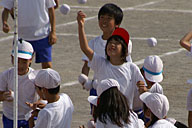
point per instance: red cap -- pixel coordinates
(122, 33)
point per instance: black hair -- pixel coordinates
(123, 44)
(180, 125)
(113, 105)
(54, 90)
(112, 10)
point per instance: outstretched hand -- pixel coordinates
(81, 18)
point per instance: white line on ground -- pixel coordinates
(139, 62)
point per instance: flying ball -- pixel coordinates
(65, 9)
(152, 42)
(82, 1)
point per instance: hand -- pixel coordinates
(31, 105)
(7, 96)
(52, 38)
(142, 87)
(6, 28)
(81, 18)
(82, 126)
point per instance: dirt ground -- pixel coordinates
(166, 20)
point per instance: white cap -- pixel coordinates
(25, 50)
(48, 78)
(92, 100)
(157, 103)
(106, 84)
(153, 68)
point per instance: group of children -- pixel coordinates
(122, 95)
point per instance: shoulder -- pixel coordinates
(163, 123)
(66, 99)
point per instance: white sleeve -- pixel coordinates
(50, 3)
(4, 81)
(43, 120)
(99, 124)
(7, 4)
(96, 62)
(189, 100)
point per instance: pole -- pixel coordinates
(15, 64)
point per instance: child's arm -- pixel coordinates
(5, 15)
(85, 69)
(82, 37)
(52, 34)
(185, 41)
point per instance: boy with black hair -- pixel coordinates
(58, 111)
(110, 17)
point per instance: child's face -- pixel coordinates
(107, 23)
(23, 66)
(114, 49)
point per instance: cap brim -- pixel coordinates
(92, 100)
(154, 78)
(24, 56)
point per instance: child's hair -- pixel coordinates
(112, 10)
(123, 44)
(113, 104)
(54, 90)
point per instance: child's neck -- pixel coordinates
(106, 35)
(53, 98)
(116, 61)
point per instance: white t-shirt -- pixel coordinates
(134, 123)
(26, 92)
(98, 46)
(162, 124)
(189, 100)
(127, 74)
(33, 17)
(57, 114)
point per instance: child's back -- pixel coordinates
(58, 114)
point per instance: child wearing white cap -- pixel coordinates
(114, 65)
(112, 109)
(26, 88)
(152, 72)
(156, 107)
(58, 111)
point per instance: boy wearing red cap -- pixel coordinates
(114, 66)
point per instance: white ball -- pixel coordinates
(65, 9)
(82, 78)
(152, 42)
(82, 1)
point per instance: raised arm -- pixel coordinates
(82, 37)
(185, 41)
